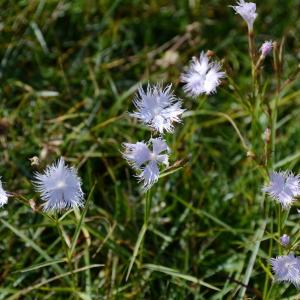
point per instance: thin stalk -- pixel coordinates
(266, 290)
(67, 252)
(138, 248)
(274, 109)
(252, 58)
(277, 69)
(255, 101)
(279, 226)
(147, 208)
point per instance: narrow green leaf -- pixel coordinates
(204, 213)
(287, 160)
(41, 265)
(258, 236)
(136, 249)
(33, 245)
(177, 274)
(44, 282)
(80, 224)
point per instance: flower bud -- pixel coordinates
(284, 240)
(266, 48)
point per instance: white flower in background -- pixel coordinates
(158, 107)
(202, 76)
(147, 161)
(287, 268)
(3, 195)
(60, 187)
(283, 187)
(266, 48)
(247, 10)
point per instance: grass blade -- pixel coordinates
(36, 286)
(33, 245)
(42, 265)
(177, 274)
(258, 236)
(80, 224)
(136, 249)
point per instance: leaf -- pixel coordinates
(33, 245)
(80, 224)
(136, 249)
(44, 282)
(177, 274)
(41, 265)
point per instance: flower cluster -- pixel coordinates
(158, 108)
(283, 188)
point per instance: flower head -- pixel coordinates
(284, 240)
(247, 10)
(145, 161)
(266, 48)
(202, 77)
(158, 107)
(60, 187)
(283, 187)
(287, 268)
(3, 195)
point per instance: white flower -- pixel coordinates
(145, 161)
(3, 195)
(283, 187)
(266, 48)
(158, 107)
(60, 187)
(287, 268)
(247, 10)
(202, 77)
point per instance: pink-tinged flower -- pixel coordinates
(284, 240)
(266, 48)
(286, 268)
(147, 161)
(202, 76)
(158, 107)
(3, 195)
(283, 187)
(60, 187)
(247, 10)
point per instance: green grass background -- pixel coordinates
(69, 71)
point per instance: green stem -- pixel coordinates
(252, 58)
(266, 290)
(273, 132)
(147, 208)
(274, 111)
(138, 248)
(67, 252)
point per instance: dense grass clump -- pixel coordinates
(69, 71)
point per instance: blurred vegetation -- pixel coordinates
(69, 71)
